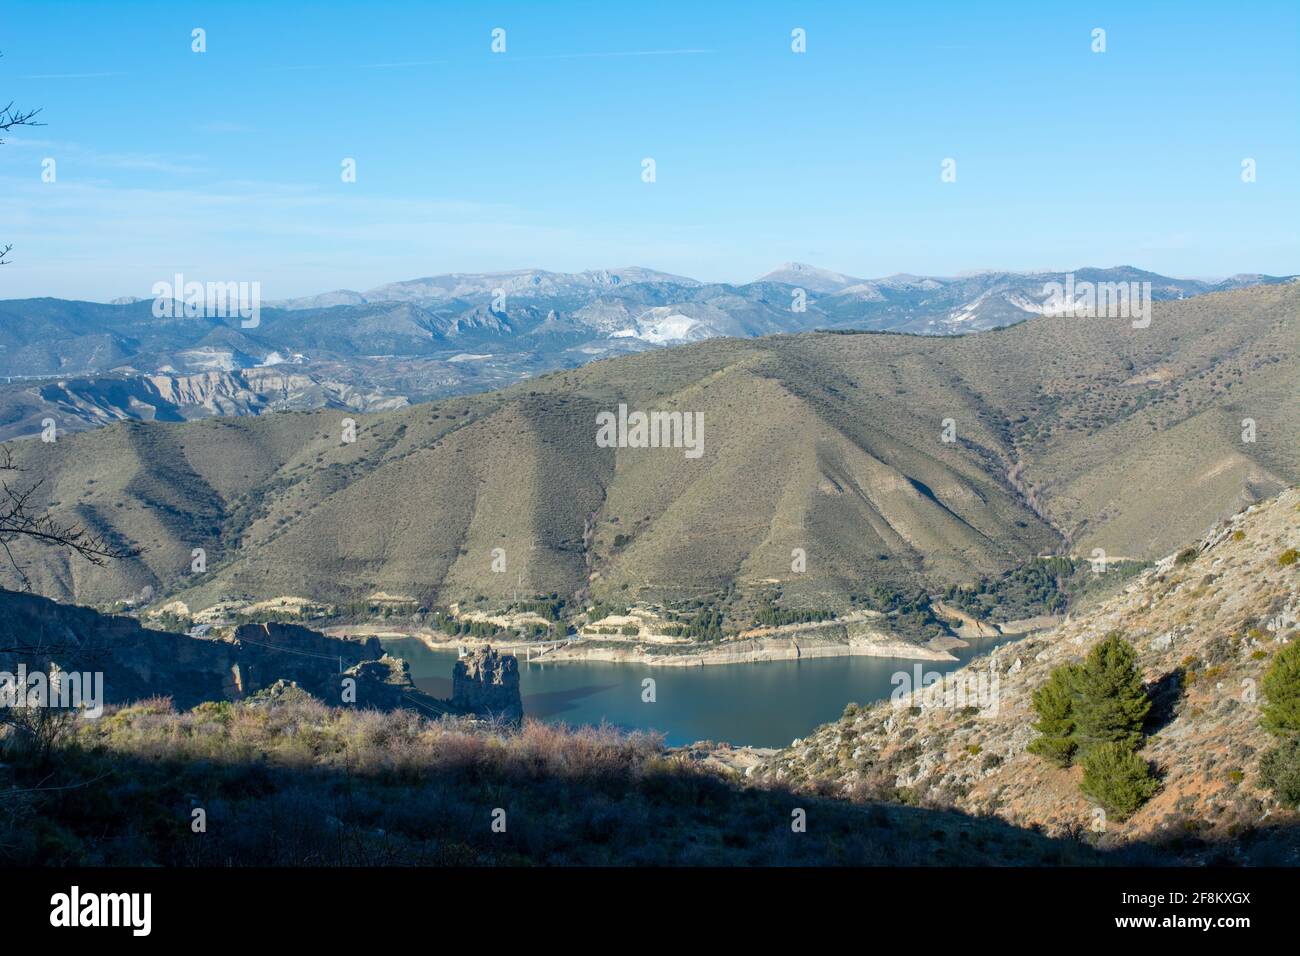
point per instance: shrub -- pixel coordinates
(1056, 750)
(1112, 703)
(1280, 712)
(1185, 556)
(1117, 778)
(1288, 557)
(1279, 771)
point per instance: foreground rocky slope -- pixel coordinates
(1205, 623)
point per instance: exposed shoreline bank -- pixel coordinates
(842, 638)
(650, 654)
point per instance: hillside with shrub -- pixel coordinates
(1165, 716)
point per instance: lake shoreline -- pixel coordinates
(737, 651)
(744, 708)
(789, 643)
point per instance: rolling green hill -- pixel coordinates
(1070, 434)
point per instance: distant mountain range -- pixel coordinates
(1068, 435)
(523, 283)
(927, 297)
(445, 335)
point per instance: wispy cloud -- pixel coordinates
(70, 76)
(507, 57)
(548, 56)
(96, 241)
(404, 63)
(94, 158)
(222, 126)
(616, 53)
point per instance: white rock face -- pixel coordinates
(659, 329)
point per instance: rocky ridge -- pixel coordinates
(213, 664)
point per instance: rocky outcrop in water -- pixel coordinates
(487, 683)
(274, 651)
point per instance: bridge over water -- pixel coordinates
(531, 649)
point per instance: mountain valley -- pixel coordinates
(1069, 436)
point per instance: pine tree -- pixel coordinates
(1112, 703)
(1279, 768)
(1054, 703)
(1117, 778)
(1279, 771)
(1280, 712)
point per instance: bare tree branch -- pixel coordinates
(10, 118)
(21, 520)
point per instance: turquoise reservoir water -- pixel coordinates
(764, 705)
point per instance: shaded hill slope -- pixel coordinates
(290, 782)
(135, 663)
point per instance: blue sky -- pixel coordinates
(226, 164)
